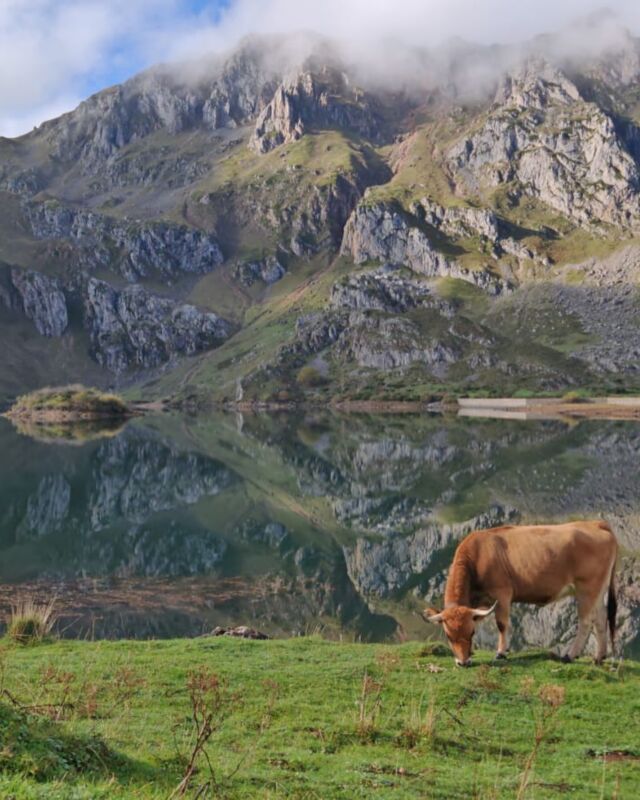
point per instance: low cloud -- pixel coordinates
(53, 52)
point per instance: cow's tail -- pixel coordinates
(612, 608)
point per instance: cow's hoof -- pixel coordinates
(501, 656)
(566, 659)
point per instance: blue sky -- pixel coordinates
(54, 53)
(124, 58)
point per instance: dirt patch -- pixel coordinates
(614, 755)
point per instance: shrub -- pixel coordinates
(31, 622)
(573, 397)
(449, 401)
(310, 377)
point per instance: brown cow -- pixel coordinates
(530, 564)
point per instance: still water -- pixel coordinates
(341, 525)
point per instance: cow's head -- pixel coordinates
(459, 623)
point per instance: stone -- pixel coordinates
(241, 631)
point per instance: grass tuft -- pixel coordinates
(31, 622)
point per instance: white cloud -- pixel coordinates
(23, 121)
(51, 50)
(417, 22)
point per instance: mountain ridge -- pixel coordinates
(193, 186)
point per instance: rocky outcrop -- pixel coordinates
(467, 221)
(136, 249)
(460, 221)
(132, 328)
(228, 94)
(536, 85)
(127, 328)
(381, 290)
(369, 325)
(556, 146)
(316, 331)
(385, 233)
(383, 342)
(39, 297)
(322, 219)
(321, 99)
(26, 182)
(268, 270)
(241, 632)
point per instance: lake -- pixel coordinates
(296, 523)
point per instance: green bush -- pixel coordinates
(574, 397)
(309, 377)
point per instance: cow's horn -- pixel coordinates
(481, 613)
(431, 615)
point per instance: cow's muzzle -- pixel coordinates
(466, 663)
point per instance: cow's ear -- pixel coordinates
(432, 615)
(481, 613)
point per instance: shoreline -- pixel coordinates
(45, 417)
(614, 407)
(620, 407)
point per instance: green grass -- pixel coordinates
(418, 171)
(306, 718)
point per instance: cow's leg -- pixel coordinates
(586, 608)
(601, 613)
(601, 629)
(503, 610)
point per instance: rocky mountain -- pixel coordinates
(225, 223)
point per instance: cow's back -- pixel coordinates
(538, 562)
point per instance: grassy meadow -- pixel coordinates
(306, 718)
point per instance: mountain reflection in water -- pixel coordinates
(298, 522)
